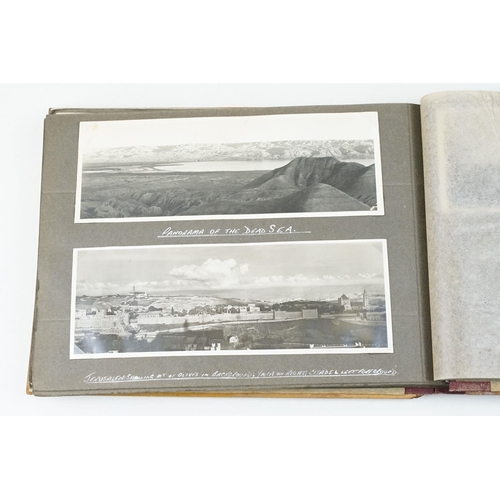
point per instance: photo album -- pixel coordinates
(322, 251)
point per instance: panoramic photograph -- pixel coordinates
(231, 299)
(229, 167)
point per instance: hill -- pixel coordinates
(352, 178)
(305, 184)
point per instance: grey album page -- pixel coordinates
(461, 138)
(231, 249)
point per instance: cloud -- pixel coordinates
(148, 285)
(213, 273)
(84, 287)
(286, 280)
(325, 280)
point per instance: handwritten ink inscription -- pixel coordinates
(244, 230)
(93, 378)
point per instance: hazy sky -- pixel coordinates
(181, 268)
(214, 130)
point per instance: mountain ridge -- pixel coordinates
(305, 184)
(352, 178)
(255, 151)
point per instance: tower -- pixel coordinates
(345, 302)
(365, 299)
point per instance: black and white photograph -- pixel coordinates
(322, 164)
(231, 299)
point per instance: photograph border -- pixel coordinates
(180, 218)
(271, 352)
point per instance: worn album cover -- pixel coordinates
(231, 249)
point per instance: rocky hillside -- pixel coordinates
(351, 178)
(305, 184)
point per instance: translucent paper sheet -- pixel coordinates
(461, 140)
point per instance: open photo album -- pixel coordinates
(324, 251)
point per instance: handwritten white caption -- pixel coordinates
(234, 231)
(93, 378)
